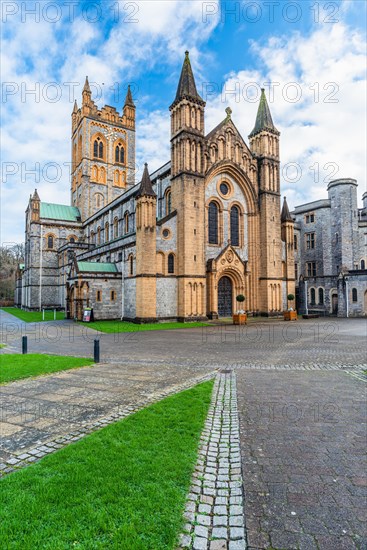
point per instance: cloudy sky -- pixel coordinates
(309, 56)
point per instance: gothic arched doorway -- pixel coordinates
(225, 297)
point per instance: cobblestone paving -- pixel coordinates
(214, 509)
(303, 447)
(21, 459)
(36, 411)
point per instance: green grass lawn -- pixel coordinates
(34, 316)
(123, 487)
(125, 326)
(15, 366)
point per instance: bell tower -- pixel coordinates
(188, 194)
(264, 144)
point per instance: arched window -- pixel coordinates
(92, 237)
(295, 242)
(98, 235)
(363, 264)
(213, 223)
(115, 228)
(171, 263)
(98, 148)
(235, 226)
(50, 241)
(321, 296)
(106, 232)
(120, 153)
(131, 261)
(312, 296)
(168, 201)
(126, 222)
(72, 240)
(354, 295)
(102, 175)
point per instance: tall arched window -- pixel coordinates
(171, 263)
(126, 222)
(213, 223)
(115, 228)
(98, 235)
(312, 296)
(98, 148)
(50, 241)
(363, 264)
(120, 153)
(92, 237)
(321, 296)
(106, 232)
(168, 202)
(235, 226)
(131, 261)
(354, 295)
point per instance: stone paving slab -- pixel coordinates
(214, 508)
(34, 411)
(303, 446)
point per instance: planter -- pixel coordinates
(240, 318)
(290, 315)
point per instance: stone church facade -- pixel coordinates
(181, 244)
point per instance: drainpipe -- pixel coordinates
(346, 296)
(41, 265)
(122, 285)
(306, 298)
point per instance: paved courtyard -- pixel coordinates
(301, 401)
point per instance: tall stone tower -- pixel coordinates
(103, 153)
(264, 143)
(146, 249)
(188, 193)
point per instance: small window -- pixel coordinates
(310, 218)
(354, 295)
(99, 296)
(98, 148)
(171, 263)
(131, 265)
(311, 269)
(113, 295)
(115, 228)
(120, 153)
(126, 222)
(224, 189)
(71, 240)
(321, 296)
(106, 232)
(50, 242)
(310, 241)
(363, 264)
(312, 296)
(295, 242)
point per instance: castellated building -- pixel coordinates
(182, 243)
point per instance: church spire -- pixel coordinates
(86, 86)
(75, 110)
(186, 88)
(285, 215)
(145, 189)
(129, 98)
(263, 118)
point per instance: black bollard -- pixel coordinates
(24, 344)
(96, 351)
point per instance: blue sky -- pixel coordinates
(313, 53)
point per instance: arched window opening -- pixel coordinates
(120, 153)
(98, 148)
(115, 228)
(354, 295)
(321, 296)
(131, 265)
(72, 240)
(92, 237)
(312, 296)
(213, 223)
(98, 235)
(126, 222)
(106, 232)
(50, 241)
(168, 202)
(171, 263)
(235, 226)
(295, 242)
(363, 264)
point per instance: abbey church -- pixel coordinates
(180, 244)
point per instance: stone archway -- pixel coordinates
(225, 297)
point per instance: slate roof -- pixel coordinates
(145, 188)
(285, 215)
(263, 118)
(186, 86)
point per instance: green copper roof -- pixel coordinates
(97, 267)
(263, 118)
(59, 212)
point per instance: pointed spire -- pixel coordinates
(285, 215)
(186, 86)
(35, 196)
(129, 98)
(145, 188)
(75, 110)
(86, 86)
(263, 118)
